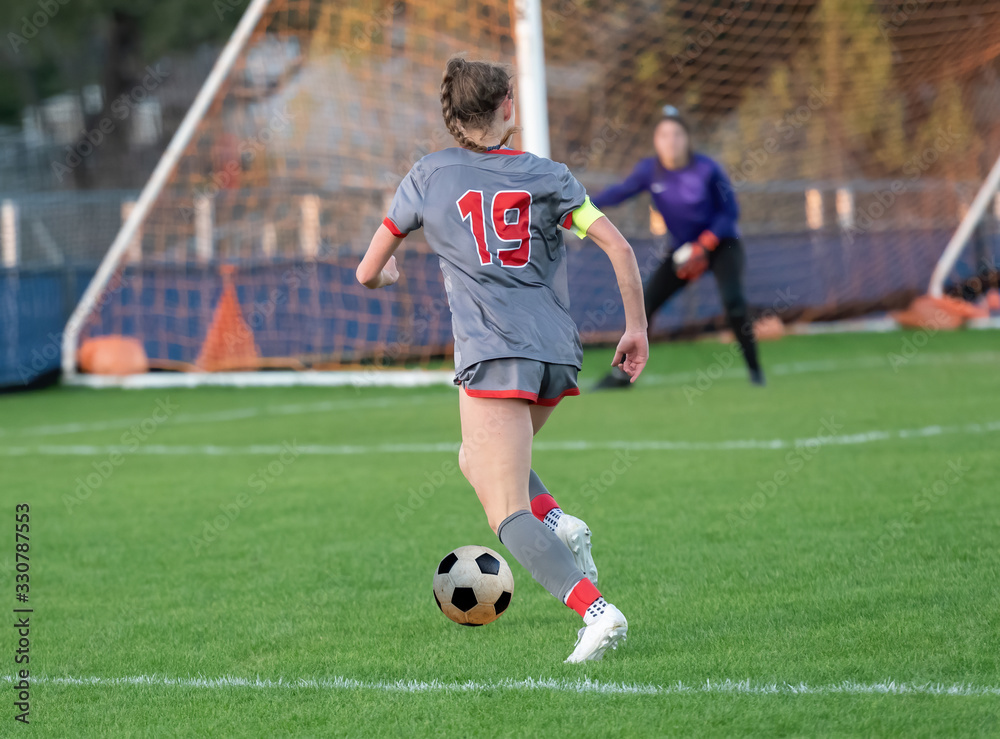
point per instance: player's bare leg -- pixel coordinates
(572, 531)
(496, 458)
(496, 453)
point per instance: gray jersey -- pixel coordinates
(493, 220)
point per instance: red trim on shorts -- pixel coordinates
(568, 221)
(554, 401)
(522, 394)
(387, 222)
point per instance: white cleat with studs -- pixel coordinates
(575, 534)
(607, 632)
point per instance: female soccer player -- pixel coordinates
(492, 215)
(694, 196)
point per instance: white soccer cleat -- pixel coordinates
(575, 534)
(607, 632)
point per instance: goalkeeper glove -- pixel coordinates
(697, 262)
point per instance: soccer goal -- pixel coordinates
(854, 133)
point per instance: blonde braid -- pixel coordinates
(448, 110)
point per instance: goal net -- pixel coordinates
(856, 134)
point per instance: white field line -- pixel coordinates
(677, 378)
(738, 687)
(867, 437)
(821, 365)
(235, 414)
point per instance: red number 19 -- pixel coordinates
(470, 205)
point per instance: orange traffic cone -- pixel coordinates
(229, 343)
(942, 313)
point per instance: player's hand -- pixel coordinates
(695, 265)
(632, 353)
(390, 273)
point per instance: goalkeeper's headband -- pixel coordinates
(670, 113)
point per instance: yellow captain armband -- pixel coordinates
(583, 217)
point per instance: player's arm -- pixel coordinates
(378, 267)
(636, 182)
(632, 352)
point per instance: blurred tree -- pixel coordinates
(53, 46)
(833, 110)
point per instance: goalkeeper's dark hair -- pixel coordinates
(471, 92)
(670, 113)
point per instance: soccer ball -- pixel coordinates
(473, 586)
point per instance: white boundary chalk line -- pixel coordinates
(866, 437)
(739, 687)
(303, 378)
(427, 378)
(820, 365)
(234, 414)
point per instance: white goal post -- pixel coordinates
(154, 185)
(961, 236)
(532, 110)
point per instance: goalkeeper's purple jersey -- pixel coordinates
(493, 219)
(692, 200)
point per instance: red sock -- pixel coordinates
(582, 596)
(542, 504)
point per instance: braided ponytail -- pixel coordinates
(471, 92)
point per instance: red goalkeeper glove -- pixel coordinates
(697, 262)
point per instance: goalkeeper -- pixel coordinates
(696, 200)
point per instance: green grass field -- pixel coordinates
(221, 562)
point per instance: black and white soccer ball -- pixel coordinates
(473, 586)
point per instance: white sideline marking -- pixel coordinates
(740, 687)
(677, 378)
(303, 378)
(234, 414)
(865, 437)
(819, 365)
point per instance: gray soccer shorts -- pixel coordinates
(511, 377)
